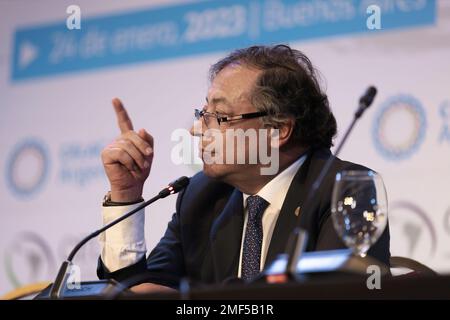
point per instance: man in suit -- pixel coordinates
(231, 220)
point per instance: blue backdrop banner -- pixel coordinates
(201, 27)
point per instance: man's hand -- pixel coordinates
(128, 159)
(151, 288)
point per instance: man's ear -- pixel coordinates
(285, 132)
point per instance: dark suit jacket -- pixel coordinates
(203, 240)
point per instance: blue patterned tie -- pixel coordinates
(251, 254)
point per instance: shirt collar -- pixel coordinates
(274, 192)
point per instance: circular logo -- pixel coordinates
(28, 260)
(412, 232)
(27, 168)
(447, 221)
(399, 128)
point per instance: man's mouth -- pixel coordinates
(203, 151)
(202, 154)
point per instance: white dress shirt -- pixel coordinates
(124, 244)
(274, 192)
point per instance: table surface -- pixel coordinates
(402, 287)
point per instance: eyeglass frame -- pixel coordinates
(251, 115)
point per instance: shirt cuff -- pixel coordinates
(123, 244)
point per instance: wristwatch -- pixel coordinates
(107, 202)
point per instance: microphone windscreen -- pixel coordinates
(174, 187)
(368, 96)
(180, 183)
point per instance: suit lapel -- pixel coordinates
(226, 231)
(295, 197)
(226, 237)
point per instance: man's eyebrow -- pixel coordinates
(217, 100)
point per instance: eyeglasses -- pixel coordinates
(213, 120)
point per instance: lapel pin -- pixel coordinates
(297, 211)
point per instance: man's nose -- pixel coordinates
(197, 128)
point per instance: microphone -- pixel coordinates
(299, 237)
(174, 187)
(61, 278)
(366, 100)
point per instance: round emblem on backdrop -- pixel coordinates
(28, 259)
(399, 128)
(412, 232)
(27, 167)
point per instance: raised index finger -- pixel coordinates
(123, 119)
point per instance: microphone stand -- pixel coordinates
(61, 278)
(299, 237)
